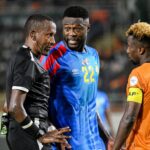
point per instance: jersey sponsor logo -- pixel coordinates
(135, 95)
(133, 80)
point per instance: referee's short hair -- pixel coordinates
(35, 22)
(76, 12)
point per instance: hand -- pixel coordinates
(56, 136)
(63, 147)
(123, 148)
(110, 144)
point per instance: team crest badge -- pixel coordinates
(85, 61)
(133, 80)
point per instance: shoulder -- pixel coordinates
(58, 48)
(23, 53)
(141, 72)
(136, 76)
(138, 70)
(57, 51)
(91, 50)
(22, 56)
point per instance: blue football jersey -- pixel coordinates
(74, 80)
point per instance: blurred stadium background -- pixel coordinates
(109, 21)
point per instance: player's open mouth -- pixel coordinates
(73, 42)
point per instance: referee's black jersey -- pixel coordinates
(25, 73)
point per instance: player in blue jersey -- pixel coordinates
(74, 70)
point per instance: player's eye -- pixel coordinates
(67, 29)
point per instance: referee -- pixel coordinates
(27, 90)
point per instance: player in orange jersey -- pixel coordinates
(134, 128)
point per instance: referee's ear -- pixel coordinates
(88, 28)
(33, 35)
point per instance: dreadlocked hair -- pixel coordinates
(140, 31)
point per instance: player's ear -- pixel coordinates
(33, 35)
(141, 50)
(88, 28)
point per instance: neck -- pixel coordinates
(145, 60)
(32, 47)
(81, 48)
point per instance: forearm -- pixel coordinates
(102, 131)
(109, 123)
(125, 127)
